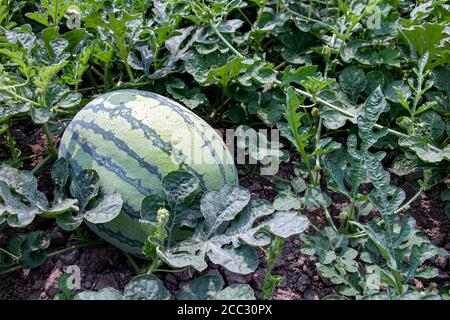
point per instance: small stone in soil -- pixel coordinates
(105, 281)
(310, 295)
(69, 258)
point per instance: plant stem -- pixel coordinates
(154, 266)
(166, 270)
(72, 248)
(50, 255)
(106, 76)
(217, 32)
(92, 79)
(9, 254)
(11, 143)
(317, 138)
(130, 73)
(329, 218)
(18, 97)
(41, 164)
(132, 262)
(18, 267)
(245, 16)
(406, 205)
(50, 142)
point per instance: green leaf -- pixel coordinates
(146, 287)
(223, 75)
(84, 187)
(210, 287)
(242, 260)
(150, 206)
(286, 201)
(298, 75)
(427, 273)
(12, 109)
(21, 198)
(315, 198)
(296, 46)
(230, 26)
(432, 126)
(203, 288)
(68, 222)
(40, 115)
(30, 248)
(298, 184)
(426, 37)
(60, 207)
(398, 91)
(60, 172)
(236, 292)
(223, 204)
(405, 164)
(353, 81)
(278, 226)
(422, 148)
(179, 185)
(106, 209)
(103, 294)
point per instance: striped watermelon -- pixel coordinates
(132, 139)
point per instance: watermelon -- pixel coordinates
(133, 139)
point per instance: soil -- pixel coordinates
(104, 266)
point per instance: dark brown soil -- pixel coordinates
(104, 266)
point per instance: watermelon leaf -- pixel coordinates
(103, 294)
(149, 287)
(22, 201)
(179, 185)
(84, 187)
(210, 287)
(30, 248)
(144, 287)
(106, 209)
(231, 244)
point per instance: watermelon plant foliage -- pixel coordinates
(22, 201)
(224, 225)
(149, 287)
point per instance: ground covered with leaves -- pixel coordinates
(358, 91)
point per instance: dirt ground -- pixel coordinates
(104, 266)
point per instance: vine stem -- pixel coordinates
(51, 255)
(406, 205)
(50, 142)
(329, 218)
(8, 253)
(171, 271)
(132, 262)
(317, 138)
(154, 266)
(225, 41)
(71, 248)
(41, 164)
(318, 99)
(130, 73)
(18, 97)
